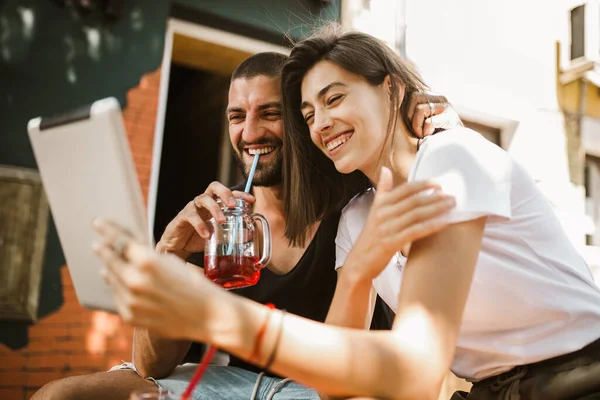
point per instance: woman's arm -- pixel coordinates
(397, 217)
(408, 362)
(353, 302)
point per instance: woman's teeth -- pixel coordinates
(336, 143)
(264, 150)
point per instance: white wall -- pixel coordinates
(494, 56)
(499, 58)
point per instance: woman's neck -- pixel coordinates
(399, 158)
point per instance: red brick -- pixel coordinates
(72, 306)
(29, 392)
(54, 322)
(73, 344)
(79, 330)
(12, 377)
(42, 343)
(79, 360)
(13, 360)
(58, 342)
(15, 393)
(51, 360)
(40, 378)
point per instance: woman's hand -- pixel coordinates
(399, 215)
(158, 292)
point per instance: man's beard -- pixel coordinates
(266, 174)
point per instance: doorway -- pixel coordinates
(191, 141)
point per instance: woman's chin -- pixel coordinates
(345, 167)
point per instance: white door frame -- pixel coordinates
(204, 33)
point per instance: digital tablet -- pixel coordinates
(87, 171)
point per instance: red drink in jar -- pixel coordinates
(231, 254)
(232, 272)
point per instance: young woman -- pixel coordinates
(531, 297)
(500, 294)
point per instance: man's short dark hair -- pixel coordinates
(266, 63)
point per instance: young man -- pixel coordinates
(299, 279)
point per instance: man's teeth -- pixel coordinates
(336, 143)
(264, 150)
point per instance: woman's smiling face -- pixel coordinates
(347, 117)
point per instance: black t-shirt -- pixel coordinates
(307, 290)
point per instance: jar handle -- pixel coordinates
(266, 235)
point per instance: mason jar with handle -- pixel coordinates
(231, 254)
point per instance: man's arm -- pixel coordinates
(154, 355)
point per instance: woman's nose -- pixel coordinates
(323, 122)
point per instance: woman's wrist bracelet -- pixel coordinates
(277, 341)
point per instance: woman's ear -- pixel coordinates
(393, 83)
(387, 84)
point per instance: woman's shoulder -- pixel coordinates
(459, 135)
(459, 146)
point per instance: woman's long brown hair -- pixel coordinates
(313, 187)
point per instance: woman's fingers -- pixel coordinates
(428, 208)
(409, 189)
(417, 223)
(136, 272)
(109, 256)
(413, 206)
(417, 231)
(110, 231)
(134, 292)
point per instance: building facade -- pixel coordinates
(524, 74)
(168, 63)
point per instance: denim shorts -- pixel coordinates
(232, 383)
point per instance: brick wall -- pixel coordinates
(74, 340)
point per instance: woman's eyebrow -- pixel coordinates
(322, 93)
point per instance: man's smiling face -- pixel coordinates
(256, 127)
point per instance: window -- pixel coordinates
(578, 32)
(592, 200)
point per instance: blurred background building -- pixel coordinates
(168, 63)
(525, 74)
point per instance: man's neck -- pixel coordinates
(269, 200)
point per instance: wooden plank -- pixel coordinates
(23, 227)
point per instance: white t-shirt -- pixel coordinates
(532, 296)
